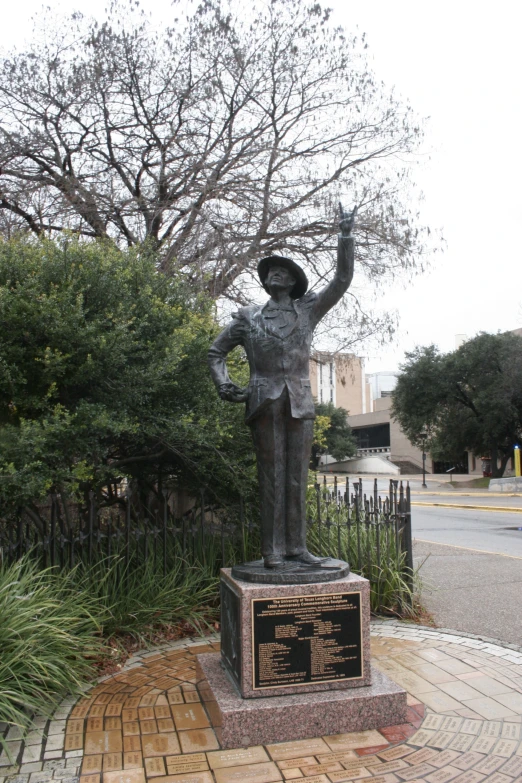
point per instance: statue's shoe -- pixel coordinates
(275, 561)
(307, 558)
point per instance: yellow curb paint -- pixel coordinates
(467, 548)
(471, 494)
(475, 508)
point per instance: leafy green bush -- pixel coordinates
(48, 637)
(338, 439)
(103, 376)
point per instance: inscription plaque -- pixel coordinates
(307, 639)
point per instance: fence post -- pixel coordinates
(20, 534)
(408, 540)
(109, 536)
(358, 526)
(319, 521)
(202, 525)
(128, 493)
(91, 524)
(165, 511)
(53, 531)
(242, 520)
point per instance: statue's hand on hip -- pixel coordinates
(232, 393)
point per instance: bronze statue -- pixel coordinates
(279, 404)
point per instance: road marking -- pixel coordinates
(467, 548)
(475, 508)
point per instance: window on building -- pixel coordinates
(331, 373)
(331, 395)
(321, 371)
(376, 436)
(321, 394)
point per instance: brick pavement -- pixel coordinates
(146, 723)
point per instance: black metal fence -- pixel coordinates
(64, 534)
(371, 531)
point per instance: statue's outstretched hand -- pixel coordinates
(347, 220)
(232, 393)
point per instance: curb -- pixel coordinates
(470, 494)
(509, 509)
(464, 634)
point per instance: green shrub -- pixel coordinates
(373, 551)
(137, 599)
(103, 376)
(53, 624)
(48, 638)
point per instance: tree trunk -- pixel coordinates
(314, 457)
(503, 462)
(496, 472)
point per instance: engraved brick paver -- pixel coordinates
(147, 724)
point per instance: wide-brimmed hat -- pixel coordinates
(301, 281)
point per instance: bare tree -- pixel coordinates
(217, 140)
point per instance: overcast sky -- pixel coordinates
(458, 63)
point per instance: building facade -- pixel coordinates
(340, 378)
(382, 383)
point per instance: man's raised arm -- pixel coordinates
(336, 288)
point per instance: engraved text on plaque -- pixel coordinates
(306, 639)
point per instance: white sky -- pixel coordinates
(459, 63)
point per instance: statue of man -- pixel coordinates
(279, 404)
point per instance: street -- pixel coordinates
(435, 518)
(469, 558)
(488, 531)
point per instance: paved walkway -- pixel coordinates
(464, 724)
(472, 591)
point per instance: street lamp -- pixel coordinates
(424, 435)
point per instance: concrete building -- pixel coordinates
(377, 433)
(340, 378)
(382, 383)
(382, 446)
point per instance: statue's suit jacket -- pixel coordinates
(278, 360)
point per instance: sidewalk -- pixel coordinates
(437, 484)
(464, 724)
(472, 591)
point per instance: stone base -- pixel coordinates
(237, 638)
(241, 722)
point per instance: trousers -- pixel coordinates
(282, 445)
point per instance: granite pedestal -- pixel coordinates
(258, 629)
(295, 663)
(242, 722)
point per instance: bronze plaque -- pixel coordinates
(306, 639)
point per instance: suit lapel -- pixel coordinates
(265, 324)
